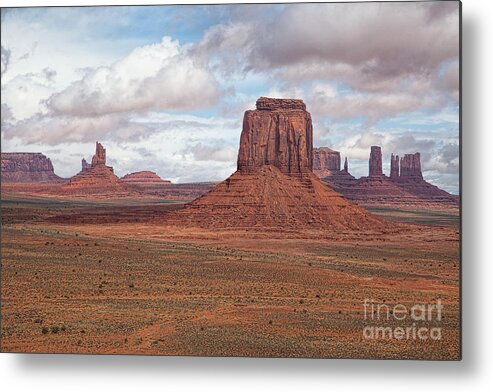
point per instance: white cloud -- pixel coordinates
(4, 59)
(372, 60)
(212, 152)
(389, 54)
(159, 76)
(372, 106)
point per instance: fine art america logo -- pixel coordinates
(401, 322)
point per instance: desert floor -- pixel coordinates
(111, 277)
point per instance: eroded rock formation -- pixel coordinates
(99, 158)
(274, 185)
(394, 167)
(96, 177)
(404, 188)
(27, 167)
(411, 166)
(375, 162)
(278, 133)
(85, 165)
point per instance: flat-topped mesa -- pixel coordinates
(278, 133)
(325, 158)
(394, 167)
(411, 166)
(27, 167)
(264, 103)
(100, 157)
(375, 162)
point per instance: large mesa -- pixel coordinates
(274, 185)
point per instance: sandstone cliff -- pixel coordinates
(278, 133)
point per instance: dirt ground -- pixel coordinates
(111, 278)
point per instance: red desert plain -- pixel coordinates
(282, 259)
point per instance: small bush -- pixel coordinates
(45, 330)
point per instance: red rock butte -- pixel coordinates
(96, 177)
(274, 185)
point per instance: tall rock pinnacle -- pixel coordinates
(394, 166)
(278, 133)
(100, 157)
(375, 162)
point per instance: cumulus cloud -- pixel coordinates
(6, 116)
(365, 44)
(158, 76)
(445, 160)
(104, 102)
(26, 92)
(4, 59)
(53, 130)
(216, 151)
(372, 106)
(390, 54)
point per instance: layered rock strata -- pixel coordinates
(278, 133)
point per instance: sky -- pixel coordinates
(164, 88)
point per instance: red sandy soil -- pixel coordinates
(111, 285)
